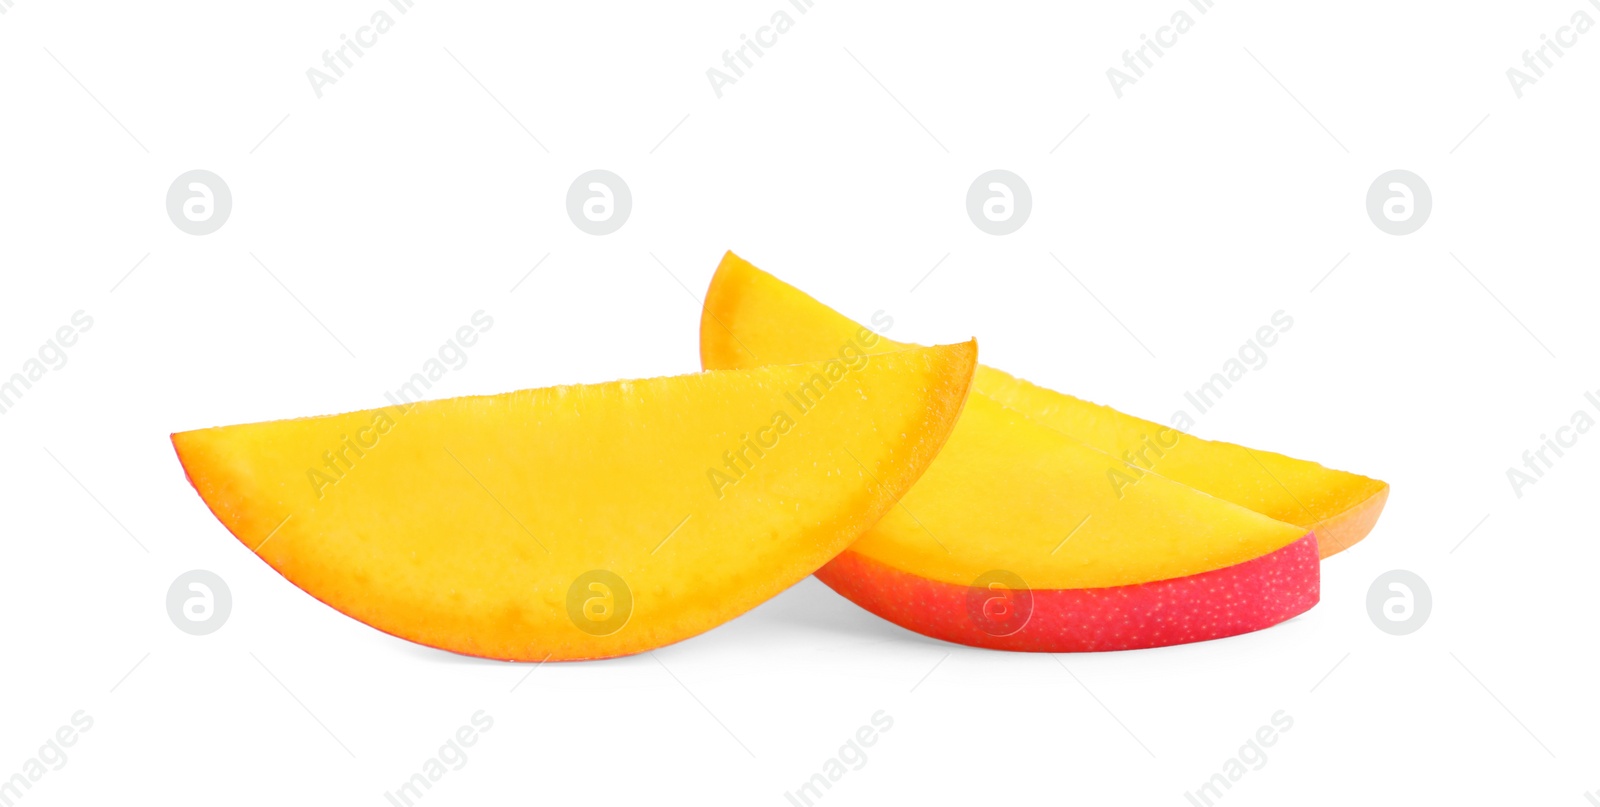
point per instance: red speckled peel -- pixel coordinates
(1236, 599)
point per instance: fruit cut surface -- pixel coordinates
(1009, 494)
(1053, 540)
(1017, 537)
(582, 521)
(748, 311)
(1340, 507)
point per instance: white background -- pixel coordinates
(1191, 209)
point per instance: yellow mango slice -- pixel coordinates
(1340, 507)
(582, 521)
(1019, 537)
(1011, 494)
(752, 317)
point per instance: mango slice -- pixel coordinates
(1340, 507)
(1020, 537)
(783, 324)
(582, 521)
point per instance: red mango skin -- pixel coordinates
(1245, 597)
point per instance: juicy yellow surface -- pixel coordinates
(1288, 489)
(782, 323)
(465, 523)
(1007, 492)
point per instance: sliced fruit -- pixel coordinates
(1026, 531)
(582, 521)
(750, 313)
(1024, 528)
(1340, 507)
(1019, 537)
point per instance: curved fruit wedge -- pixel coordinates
(749, 310)
(1018, 537)
(584, 521)
(1014, 539)
(1341, 507)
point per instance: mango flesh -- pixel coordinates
(784, 324)
(1014, 512)
(1340, 507)
(582, 521)
(1007, 493)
